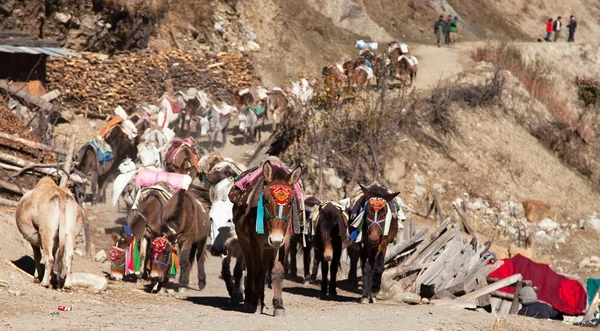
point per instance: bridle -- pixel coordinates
(158, 245)
(116, 253)
(377, 204)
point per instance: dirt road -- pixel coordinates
(437, 63)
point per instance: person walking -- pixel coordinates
(438, 28)
(446, 29)
(548, 30)
(572, 27)
(453, 30)
(556, 28)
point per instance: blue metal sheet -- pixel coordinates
(50, 51)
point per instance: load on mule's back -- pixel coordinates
(266, 208)
(49, 218)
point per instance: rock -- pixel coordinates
(249, 34)
(476, 205)
(253, 46)
(100, 256)
(425, 301)
(394, 170)
(542, 238)
(419, 190)
(14, 293)
(585, 263)
(85, 280)
(592, 224)
(62, 17)
(409, 297)
(335, 182)
(548, 225)
(512, 231)
(420, 179)
(438, 187)
(79, 252)
(219, 28)
(536, 210)
(501, 224)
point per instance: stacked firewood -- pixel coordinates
(99, 83)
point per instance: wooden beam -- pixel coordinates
(490, 288)
(47, 170)
(394, 251)
(514, 308)
(29, 98)
(6, 202)
(503, 295)
(591, 310)
(32, 144)
(525, 282)
(12, 187)
(464, 221)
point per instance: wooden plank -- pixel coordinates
(524, 281)
(12, 187)
(31, 144)
(504, 295)
(464, 221)
(14, 90)
(430, 251)
(591, 310)
(395, 250)
(443, 227)
(51, 95)
(490, 288)
(6, 202)
(514, 308)
(438, 208)
(452, 250)
(67, 167)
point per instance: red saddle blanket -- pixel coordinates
(564, 294)
(176, 146)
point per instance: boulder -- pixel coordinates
(420, 179)
(592, 224)
(409, 297)
(548, 225)
(100, 256)
(253, 46)
(62, 17)
(536, 210)
(93, 282)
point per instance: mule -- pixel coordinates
(331, 225)
(224, 239)
(100, 174)
(217, 122)
(378, 227)
(277, 106)
(405, 70)
(50, 219)
(184, 232)
(273, 195)
(182, 159)
(117, 254)
(305, 241)
(251, 125)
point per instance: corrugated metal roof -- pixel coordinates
(51, 51)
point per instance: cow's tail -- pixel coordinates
(66, 232)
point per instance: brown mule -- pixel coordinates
(276, 187)
(277, 106)
(184, 161)
(184, 232)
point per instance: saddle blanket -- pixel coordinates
(110, 125)
(176, 146)
(148, 177)
(166, 192)
(102, 149)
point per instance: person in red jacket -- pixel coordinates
(548, 30)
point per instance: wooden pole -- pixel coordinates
(31, 144)
(514, 308)
(11, 187)
(490, 288)
(68, 160)
(6, 202)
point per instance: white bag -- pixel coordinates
(127, 166)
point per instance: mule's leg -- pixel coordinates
(293, 254)
(257, 286)
(377, 273)
(278, 309)
(306, 262)
(69, 248)
(335, 263)
(317, 260)
(226, 274)
(238, 274)
(200, 259)
(94, 179)
(37, 257)
(352, 273)
(268, 277)
(49, 238)
(324, 272)
(184, 263)
(224, 132)
(367, 276)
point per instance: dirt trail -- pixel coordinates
(437, 63)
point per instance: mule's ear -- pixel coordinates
(115, 236)
(389, 197)
(268, 171)
(366, 192)
(294, 177)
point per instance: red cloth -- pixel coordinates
(549, 27)
(564, 294)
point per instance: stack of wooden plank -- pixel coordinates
(448, 264)
(100, 82)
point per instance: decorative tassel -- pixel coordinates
(174, 263)
(260, 215)
(136, 257)
(296, 220)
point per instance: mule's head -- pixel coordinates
(221, 225)
(331, 223)
(164, 257)
(117, 255)
(279, 196)
(377, 209)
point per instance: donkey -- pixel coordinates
(277, 105)
(217, 122)
(251, 124)
(331, 224)
(49, 218)
(185, 228)
(296, 240)
(272, 194)
(406, 70)
(99, 175)
(378, 227)
(224, 239)
(182, 159)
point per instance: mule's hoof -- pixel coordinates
(237, 298)
(201, 286)
(279, 312)
(373, 300)
(45, 283)
(364, 300)
(36, 281)
(333, 294)
(161, 291)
